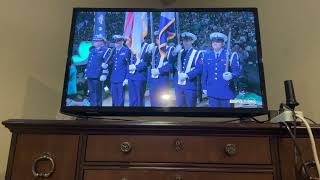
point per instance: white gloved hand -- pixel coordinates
(227, 76)
(132, 67)
(177, 49)
(155, 72)
(205, 92)
(125, 82)
(151, 47)
(104, 65)
(103, 77)
(106, 89)
(183, 76)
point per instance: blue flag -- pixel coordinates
(167, 30)
(99, 24)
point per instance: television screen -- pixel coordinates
(190, 62)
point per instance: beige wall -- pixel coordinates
(34, 37)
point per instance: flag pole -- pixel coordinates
(228, 50)
(151, 27)
(153, 63)
(179, 64)
(178, 27)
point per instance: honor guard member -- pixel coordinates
(159, 73)
(189, 68)
(105, 77)
(118, 63)
(98, 54)
(137, 77)
(216, 81)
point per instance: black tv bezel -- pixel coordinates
(165, 111)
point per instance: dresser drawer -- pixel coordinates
(193, 149)
(172, 175)
(39, 155)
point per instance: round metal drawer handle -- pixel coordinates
(231, 149)
(44, 157)
(125, 147)
(124, 178)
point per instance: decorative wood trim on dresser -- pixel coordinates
(161, 150)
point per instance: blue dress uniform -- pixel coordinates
(118, 66)
(160, 85)
(93, 73)
(137, 80)
(186, 95)
(218, 89)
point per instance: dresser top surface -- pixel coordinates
(146, 126)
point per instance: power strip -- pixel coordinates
(286, 116)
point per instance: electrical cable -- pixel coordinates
(258, 121)
(310, 120)
(312, 141)
(297, 148)
(281, 109)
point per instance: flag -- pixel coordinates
(135, 30)
(128, 27)
(167, 30)
(99, 24)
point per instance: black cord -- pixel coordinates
(258, 121)
(310, 120)
(293, 114)
(297, 148)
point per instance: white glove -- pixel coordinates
(104, 65)
(132, 67)
(177, 49)
(125, 82)
(155, 72)
(106, 89)
(151, 47)
(183, 76)
(103, 77)
(227, 76)
(205, 92)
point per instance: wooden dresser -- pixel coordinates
(143, 150)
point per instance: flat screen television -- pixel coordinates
(164, 62)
